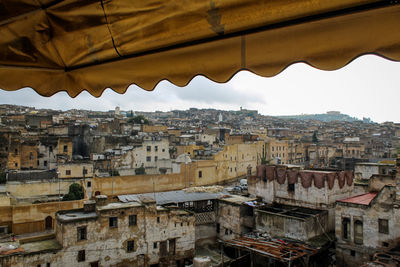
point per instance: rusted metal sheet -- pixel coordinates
(276, 249)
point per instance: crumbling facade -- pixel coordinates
(366, 224)
(234, 217)
(115, 234)
(302, 188)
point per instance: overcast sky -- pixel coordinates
(367, 87)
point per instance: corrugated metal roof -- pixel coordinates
(169, 197)
(364, 199)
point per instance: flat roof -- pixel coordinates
(76, 215)
(170, 197)
(364, 199)
(41, 246)
(118, 205)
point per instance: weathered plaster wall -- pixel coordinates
(75, 170)
(108, 245)
(311, 197)
(39, 188)
(228, 218)
(31, 218)
(278, 225)
(135, 184)
(365, 171)
(380, 208)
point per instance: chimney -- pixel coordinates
(101, 200)
(89, 206)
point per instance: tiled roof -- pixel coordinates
(364, 199)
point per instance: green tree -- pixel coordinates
(264, 160)
(140, 119)
(140, 170)
(75, 192)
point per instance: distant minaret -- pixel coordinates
(220, 117)
(117, 111)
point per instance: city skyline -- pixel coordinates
(299, 89)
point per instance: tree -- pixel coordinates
(140, 119)
(75, 192)
(140, 170)
(315, 137)
(264, 160)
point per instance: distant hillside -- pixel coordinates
(322, 117)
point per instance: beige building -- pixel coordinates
(54, 150)
(191, 150)
(296, 152)
(148, 155)
(154, 128)
(319, 156)
(75, 170)
(278, 151)
(351, 149)
(205, 138)
(22, 154)
(232, 162)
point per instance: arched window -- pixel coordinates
(358, 232)
(346, 228)
(48, 222)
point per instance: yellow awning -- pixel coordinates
(75, 45)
